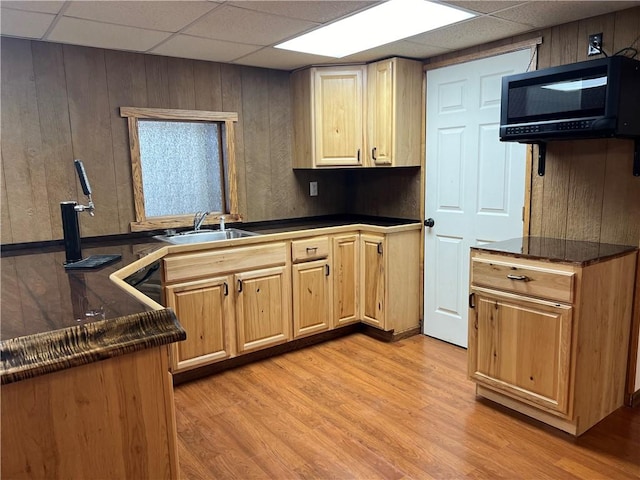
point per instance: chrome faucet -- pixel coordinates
(222, 223)
(198, 220)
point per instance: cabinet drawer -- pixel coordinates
(215, 262)
(309, 249)
(525, 279)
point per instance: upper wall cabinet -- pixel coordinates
(394, 106)
(358, 116)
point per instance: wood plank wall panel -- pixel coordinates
(53, 110)
(22, 148)
(60, 102)
(86, 79)
(127, 86)
(588, 191)
(255, 106)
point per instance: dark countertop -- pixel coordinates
(556, 250)
(54, 319)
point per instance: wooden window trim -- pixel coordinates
(133, 114)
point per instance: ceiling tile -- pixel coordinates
(200, 48)
(279, 59)
(397, 49)
(247, 26)
(101, 35)
(23, 24)
(475, 31)
(170, 16)
(35, 6)
(548, 13)
(313, 11)
(482, 6)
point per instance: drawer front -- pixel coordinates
(528, 280)
(215, 262)
(309, 249)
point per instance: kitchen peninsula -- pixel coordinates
(87, 368)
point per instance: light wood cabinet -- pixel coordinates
(312, 304)
(372, 279)
(550, 339)
(346, 281)
(312, 293)
(328, 110)
(346, 116)
(229, 301)
(390, 281)
(263, 301)
(205, 310)
(394, 106)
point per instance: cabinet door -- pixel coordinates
(372, 279)
(311, 298)
(381, 112)
(338, 116)
(522, 347)
(345, 279)
(204, 310)
(263, 305)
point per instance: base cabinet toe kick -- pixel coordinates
(550, 339)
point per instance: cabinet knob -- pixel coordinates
(373, 153)
(239, 286)
(521, 278)
(380, 248)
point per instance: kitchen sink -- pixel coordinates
(198, 236)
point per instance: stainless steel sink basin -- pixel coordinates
(204, 236)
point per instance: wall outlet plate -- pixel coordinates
(313, 189)
(595, 44)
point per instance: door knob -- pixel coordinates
(429, 222)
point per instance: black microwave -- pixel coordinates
(592, 99)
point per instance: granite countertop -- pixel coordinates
(556, 250)
(54, 319)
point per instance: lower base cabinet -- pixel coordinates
(204, 308)
(263, 302)
(312, 300)
(233, 301)
(550, 340)
(109, 419)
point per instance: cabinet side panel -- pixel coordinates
(605, 305)
(302, 118)
(408, 124)
(403, 284)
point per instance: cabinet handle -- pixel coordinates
(311, 250)
(472, 297)
(225, 289)
(239, 286)
(326, 270)
(380, 248)
(373, 153)
(358, 155)
(521, 278)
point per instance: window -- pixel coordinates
(182, 162)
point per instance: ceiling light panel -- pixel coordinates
(382, 24)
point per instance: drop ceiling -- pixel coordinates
(245, 32)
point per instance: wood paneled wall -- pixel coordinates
(588, 191)
(61, 102)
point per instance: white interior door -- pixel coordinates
(474, 183)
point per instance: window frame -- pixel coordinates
(230, 189)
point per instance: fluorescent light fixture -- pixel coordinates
(379, 25)
(575, 85)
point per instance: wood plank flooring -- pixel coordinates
(358, 408)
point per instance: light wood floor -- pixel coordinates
(359, 408)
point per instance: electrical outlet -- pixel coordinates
(313, 189)
(595, 44)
